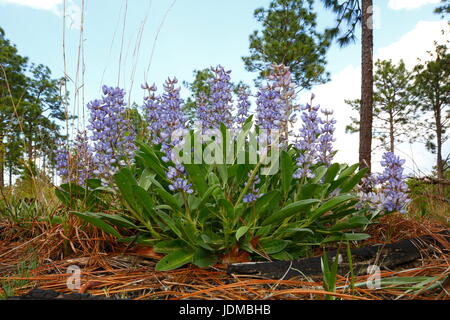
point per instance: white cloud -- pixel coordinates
(347, 83)
(344, 85)
(73, 10)
(416, 43)
(409, 4)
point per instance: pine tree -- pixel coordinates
(351, 13)
(392, 110)
(432, 92)
(289, 37)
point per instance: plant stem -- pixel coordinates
(249, 182)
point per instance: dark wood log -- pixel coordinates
(383, 256)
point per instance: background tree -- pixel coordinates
(12, 89)
(289, 37)
(199, 85)
(349, 14)
(444, 8)
(392, 110)
(43, 106)
(13, 157)
(432, 92)
(30, 107)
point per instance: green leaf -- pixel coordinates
(74, 189)
(152, 164)
(205, 197)
(139, 239)
(169, 199)
(241, 231)
(353, 222)
(229, 209)
(175, 259)
(287, 171)
(223, 173)
(329, 205)
(271, 246)
(125, 181)
(150, 159)
(353, 181)
(198, 177)
(63, 196)
(283, 255)
(267, 202)
(97, 222)
(248, 123)
(93, 183)
(171, 224)
(309, 191)
(117, 220)
(318, 174)
(145, 180)
(289, 210)
(346, 237)
(331, 173)
(347, 172)
(204, 258)
(144, 200)
(168, 246)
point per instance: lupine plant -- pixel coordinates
(385, 192)
(75, 164)
(218, 107)
(204, 212)
(112, 133)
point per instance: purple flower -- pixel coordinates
(62, 160)
(218, 107)
(308, 141)
(325, 147)
(165, 116)
(254, 193)
(275, 109)
(75, 164)
(268, 115)
(112, 133)
(249, 198)
(394, 187)
(243, 105)
(391, 195)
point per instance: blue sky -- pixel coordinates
(194, 34)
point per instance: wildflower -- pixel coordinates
(274, 105)
(62, 160)
(76, 164)
(391, 195)
(218, 107)
(243, 105)
(325, 147)
(307, 141)
(165, 116)
(112, 133)
(152, 104)
(282, 80)
(393, 184)
(254, 193)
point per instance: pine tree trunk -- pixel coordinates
(10, 175)
(391, 131)
(440, 162)
(2, 163)
(365, 132)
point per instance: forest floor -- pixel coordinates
(31, 257)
